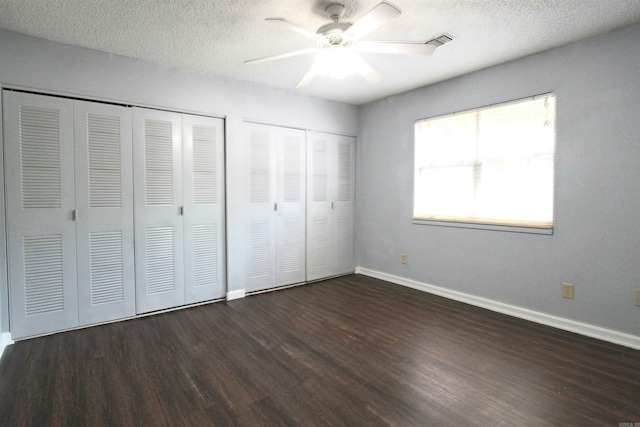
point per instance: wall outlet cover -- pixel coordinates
(567, 290)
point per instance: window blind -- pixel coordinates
(492, 165)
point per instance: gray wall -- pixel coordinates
(40, 65)
(596, 240)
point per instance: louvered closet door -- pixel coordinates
(39, 177)
(330, 205)
(344, 205)
(104, 204)
(319, 199)
(260, 207)
(157, 161)
(290, 212)
(203, 160)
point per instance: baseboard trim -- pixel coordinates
(586, 329)
(237, 294)
(5, 341)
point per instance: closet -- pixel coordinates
(69, 212)
(112, 211)
(272, 194)
(330, 205)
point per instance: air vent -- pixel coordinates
(439, 41)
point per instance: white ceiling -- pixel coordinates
(217, 36)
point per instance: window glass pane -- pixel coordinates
(516, 190)
(494, 164)
(456, 138)
(445, 190)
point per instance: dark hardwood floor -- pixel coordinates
(351, 351)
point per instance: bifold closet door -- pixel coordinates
(344, 188)
(39, 176)
(158, 209)
(260, 207)
(104, 212)
(290, 209)
(203, 162)
(179, 208)
(330, 205)
(274, 206)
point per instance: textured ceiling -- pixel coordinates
(217, 36)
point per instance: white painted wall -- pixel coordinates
(596, 240)
(35, 64)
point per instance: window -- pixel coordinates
(493, 165)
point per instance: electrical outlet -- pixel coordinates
(567, 290)
(404, 259)
(638, 297)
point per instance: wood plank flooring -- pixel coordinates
(352, 351)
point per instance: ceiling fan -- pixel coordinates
(338, 44)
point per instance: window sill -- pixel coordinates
(480, 226)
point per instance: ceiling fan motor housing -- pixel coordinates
(333, 33)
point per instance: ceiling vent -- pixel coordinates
(439, 41)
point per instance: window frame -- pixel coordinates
(530, 227)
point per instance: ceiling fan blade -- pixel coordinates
(374, 19)
(406, 48)
(281, 56)
(365, 69)
(295, 27)
(308, 78)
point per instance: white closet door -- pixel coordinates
(274, 208)
(319, 218)
(203, 160)
(38, 139)
(260, 208)
(291, 207)
(104, 206)
(330, 206)
(157, 160)
(344, 206)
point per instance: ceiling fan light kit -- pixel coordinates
(338, 44)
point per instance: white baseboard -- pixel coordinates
(237, 294)
(5, 340)
(586, 329)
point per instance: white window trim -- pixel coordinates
(484, 226)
